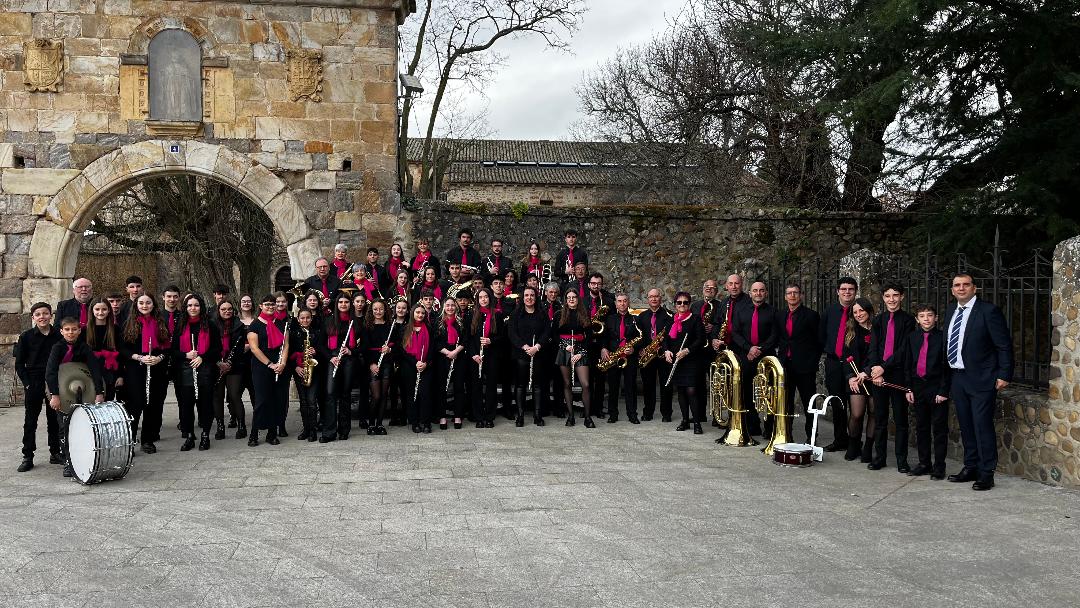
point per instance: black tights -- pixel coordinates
(380, 388)
(568, 393)
(688, 402)
(539, 387)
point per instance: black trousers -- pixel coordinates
(752, 420)
(484, 390)
(230, 388)
(190, 407)
(506, 382)
(931, 427)
(553, 379)
(270, 398)
(539, 385)
(454, 402)
(136, 404)
(34, 400)
(884, 398)
(309, 402)
(654, 375)
(337, 412)
(419, 409)
(597, 381)
(975, 415)
(836, 384)
(625, 379)
(805, 383)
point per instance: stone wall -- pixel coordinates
(667, 247)
(531, 195)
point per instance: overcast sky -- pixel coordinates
(533, 96)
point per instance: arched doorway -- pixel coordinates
(57, 238)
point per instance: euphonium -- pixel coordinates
(621, 356)
(597, 320)
(726, 393)
(309, 360)
(770, 397)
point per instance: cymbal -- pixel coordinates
(76, 384)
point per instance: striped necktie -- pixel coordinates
(954, 335)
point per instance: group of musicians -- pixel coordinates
(426, 341)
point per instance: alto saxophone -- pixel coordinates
(309, 361)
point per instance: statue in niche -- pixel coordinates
(174, 68)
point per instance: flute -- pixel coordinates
(573, 371)
(284, 349)
(450, 372)
(675, 363)
(480, 368)
(195, 371)
(532, 358)
(378, 364)
(854, 368)
(341, 350)
(416, 387)
(148, 351)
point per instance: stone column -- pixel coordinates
(864, 266)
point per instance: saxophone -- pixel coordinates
(597, 320)
(621, 356)
(309, 361)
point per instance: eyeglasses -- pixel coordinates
(682, 303)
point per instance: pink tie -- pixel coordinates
(890, 337)
(654, 325)
(840, 333)
(464, 258)
(920, 367)
(82, 314)
(754, 328)
(69, 355)
(790, 328)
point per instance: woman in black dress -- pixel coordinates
(450, 340)
(103, 337)
(528, 329)
(571, 332)
(686, 336)
(857, 350)
(416, 343)
(339, 347)
(144, 348)
(266, 341)
(377, 343)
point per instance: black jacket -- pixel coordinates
(472, 258)
(81, 353)
(332, 283)
(32, 354)
(611, 331)
(903, 325)
(558, 263)
(801, 352)
(527, 329)
(938, 378)
(743, 319)
(71, 308)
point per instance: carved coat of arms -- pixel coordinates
(43, 64)
(304, 73)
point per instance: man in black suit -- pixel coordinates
(378, 273)
(323, 281)
(885, 363)
(653, 322)
(753, 336)
(569, 256)
(619, 329)
(831, 336)
(979, 350)
(464, 254)
(495, 263)
(708, 310)
(77, 307)
(799, 350)
(595, 297)
(724, 312)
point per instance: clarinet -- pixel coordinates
(228, 360)
(195, 371)
(675, 363)
(378, 365)
(573, 368)
(341, 351)
(532, 359)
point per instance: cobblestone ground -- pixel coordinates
(617, 516)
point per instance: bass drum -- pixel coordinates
(99, 442)
(793, 455)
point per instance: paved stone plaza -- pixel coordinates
(617, 516)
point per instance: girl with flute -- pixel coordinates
(528, 329)
(486, 333)
(378, 341)
(337, 346)
(573, 326)
(416, 345)
(144, 347)
(452, 363)
(196, 349)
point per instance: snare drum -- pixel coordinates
(793, 455)
(99, 442)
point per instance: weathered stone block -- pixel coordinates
(260, 185)
(69, 207)
(302, 256)
(348, 220)
(288, 218)
(7, 155)
(319, 180)
(35, 181)
(44, 290)
(49, 250)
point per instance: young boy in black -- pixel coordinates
(70, 349)
(31, 356)
(928, 376)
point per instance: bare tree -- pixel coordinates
(456, 42)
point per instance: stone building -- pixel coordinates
(291, 103)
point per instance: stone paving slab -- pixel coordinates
(618, 516)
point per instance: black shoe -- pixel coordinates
(253, 439)
(919, 471)
(220, 433)
(427, 429)
(188, 443)
(965, 474)
(380, 430)
(281, 432)
(343, 435)
(241, 431)
(204, 441)
(55, 459)
(570, 421)
(457, 425)
(633, 419)
(302, 435)
(876, 466)
(442, 425)
(490, 424)
(520, 421)
(70, 472)
(854, 450)
(25, 465)
(665, 419)
(938, 474)
(697, 428)
(538, 421)
(646, 418)
(325, 439)
(612, 419)
(983, 484)
(370, 430)
(149, 448)
(232, 422)
(903, 468)
(416, 428)
(683, 426)
(589, 424)
(273, 440)
(480, 424)
(836, 446)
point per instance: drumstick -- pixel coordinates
(854, 368)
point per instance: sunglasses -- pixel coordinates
(682, 303)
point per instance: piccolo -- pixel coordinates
(195, 370)
(149, 350)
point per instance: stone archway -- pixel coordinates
(57, 237)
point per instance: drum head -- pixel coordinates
(794, 448)
(82, 444)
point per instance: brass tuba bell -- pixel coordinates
(725, 392)
(770, 398)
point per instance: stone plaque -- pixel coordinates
(304, 73)
(43, 64)
(174, 69)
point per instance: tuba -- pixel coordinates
(725, 392)
(770, 398)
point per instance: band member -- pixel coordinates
(77, 307)
(267, 344)
(196, 349)
(885, 363)
(504, 307)
(799, 350)
(528, 330)
(753, 336)
(312, 302)
(378, 339)
(572, 356)
(416, 346)
(928, 376)
(464, 254)
(454, 276)
(133, 286)
(533, 264)
(596, 298)
(220, 293)
(552, 307)
(578, 280)
(70, 349)
(31, 358)
(364, 284)
(284, 321)
(707, 309)
(171, 310)
(979, 350)
(307, 389)
(654, 322)
(834, 324)
(486, 335)
(495, 263)
(619, 329)
(531, 281)
(510, 283)
(340, 263)
(378, 273)
(341, 337)
(400, 318)
(450, 340)
(429, 282)
(396, 261)
(242, 359)
(323, 281)
(360, 389)
(232, 369)
(424, 259)
(103, 337)
(116, 301)
(401, 287)
(683, 339)
(569, 256)
(857, 349)
(144, 348)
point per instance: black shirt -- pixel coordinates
(80, 353)
(32, 353)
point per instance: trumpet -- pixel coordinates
(621, 357)
(770, 397)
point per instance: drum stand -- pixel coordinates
(817, 407)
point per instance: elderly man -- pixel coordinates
(77, 307)
(323, 281)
